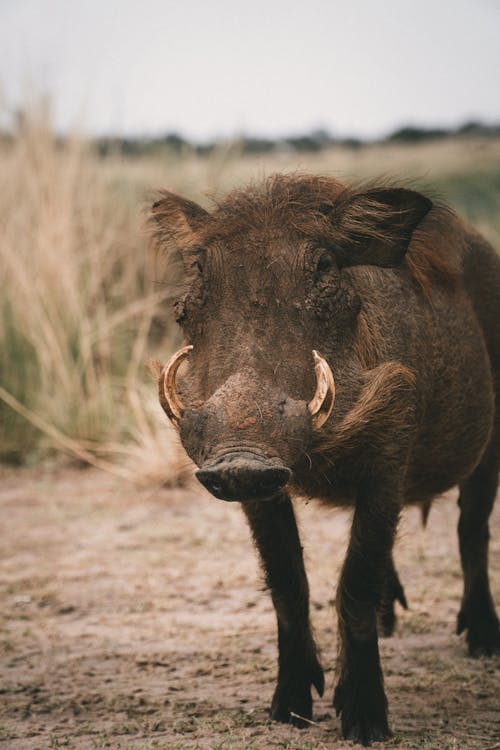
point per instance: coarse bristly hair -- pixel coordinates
(318, 208)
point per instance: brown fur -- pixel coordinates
(366, 342)
(435, 252)
(379, 402)
(401, 298)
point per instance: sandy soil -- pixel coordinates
(137, 619)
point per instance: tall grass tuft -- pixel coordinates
(76, 308)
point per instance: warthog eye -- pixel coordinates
(324, 263)
(324, 283)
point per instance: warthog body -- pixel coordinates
(401, 299)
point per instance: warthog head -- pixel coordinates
(266, 313)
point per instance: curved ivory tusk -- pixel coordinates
(321, 405)
(169, 398)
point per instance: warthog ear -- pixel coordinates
(378, 225)
(174, 219)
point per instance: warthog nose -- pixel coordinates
(243, 479)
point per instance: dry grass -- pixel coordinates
(81, 308)
(77, 307)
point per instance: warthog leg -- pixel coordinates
(477, 614)
(359, 696)
(393, 592)
(276, 536)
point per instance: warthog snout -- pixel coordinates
(243, 477)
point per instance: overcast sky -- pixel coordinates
(267, 67)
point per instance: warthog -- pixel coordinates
(342, 344)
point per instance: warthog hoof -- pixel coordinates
(363, 718)
(483, 631)
(292, 701)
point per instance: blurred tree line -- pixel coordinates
(315, 141)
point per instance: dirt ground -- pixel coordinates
(137, 619)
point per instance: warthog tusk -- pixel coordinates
(321, 405)
(169, 398)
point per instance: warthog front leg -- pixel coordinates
(275, 533)
(359, 697)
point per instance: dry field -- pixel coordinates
(135, 618)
